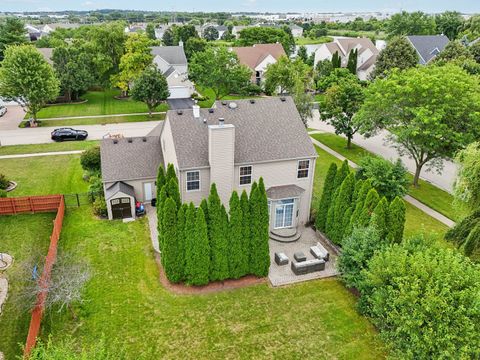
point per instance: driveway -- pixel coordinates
(377, 145)
(12, 118)
(95, 132)
(175, 104)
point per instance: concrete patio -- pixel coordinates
(283, 275)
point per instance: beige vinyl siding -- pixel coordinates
(138, 187)
(195, 196)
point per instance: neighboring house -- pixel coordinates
(237, 29)
(136, 28)
(258, 57)
(171, 60)
(428, 46)
(47, 54)
(159, 31)
(33, 33)
(48, 28)
(231, 145)
(367, 53)
(297, 31)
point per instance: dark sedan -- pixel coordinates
(63, 134)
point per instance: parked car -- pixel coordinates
(62, 134)
(3, 110)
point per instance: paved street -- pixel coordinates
(377, 145)
(12, 118)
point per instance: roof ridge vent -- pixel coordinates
(283, 99)
(224, 102)
(130, 140)
(232, 105)
(144, 139)
(115, 141)
(252, 101)
(211, 110)
(179, 112)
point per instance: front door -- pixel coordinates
(284, 213)
(147, 189)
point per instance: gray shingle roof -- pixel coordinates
(284, 192)
(47, 54)
(268, 130)
(129, 161)
(426, 46)
(174, 55)
(169, 71)
(119, 186)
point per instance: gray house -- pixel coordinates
(231, 145)
(428, 46)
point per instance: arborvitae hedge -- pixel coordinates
(170, 173)
(342, 173)
(396, 220)
(247, 233)
(160, 202)
(181, 223)
(238, 257)
(370, 203)
(161, 180)
(199, 268)
(327, 194)
(343, 201)
(189, 233)
(379, 218)
(172, 254)
(174, 192)
(217, 237)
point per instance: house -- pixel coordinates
(231, 145)
(48, 28)
(428, 46)
(297, 31)
(171, 60)
(135, 28)
(33, 32)
(258, 57)
(47, 54)
(237, 29)
(367, 53)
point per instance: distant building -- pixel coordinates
(428, 46)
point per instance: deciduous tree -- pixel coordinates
(210, 33)
(399, 53)
(449, 23)
(12, 32)
(151, 88)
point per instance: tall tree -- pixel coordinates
(219, 69)
(399, 53)
(371, 202)
(151, 88)
(283, 75)
(168, 38)
(342, 102)
(218, 237)
(246, 231)
(411, 23)
(260, 259)
(430, 112)
(326, 199)
(12, 32)
(160, 203)
(210, 33)
(449, 23)
(396, 220)
(467, 184)
(238, 255)
(194, 45)
(172, 254)
(379, 218)
(184, 33)
(171, 174)
(173, 191)
(359, 203)
(336, 60)
(199, 262)
(27, 79)
(181, 240)
(352, 61)
(150, 31)
(136, 58)
(266, 35)
(74, 68)
(343, 201)
(161, 180)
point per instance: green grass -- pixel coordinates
(427, 193)
(50, 147)
(210, 97)
(221, 43)
(416, 220)
(100, 121)
(99, 103)
(126, 303)
(312, 41)
(22, 236)
(350, 33)
(43, 175)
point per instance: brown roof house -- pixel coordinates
(258, 57)
(232, 145)
(367, 53)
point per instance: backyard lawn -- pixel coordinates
(50, 147)
(126, 304)
(312, 41)
(99, 103)
(21, 236)
(210, 97)
(99, 120)
(59, 174)
(427, 193)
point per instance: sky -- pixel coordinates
(467, 6)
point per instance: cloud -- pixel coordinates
(87, 3)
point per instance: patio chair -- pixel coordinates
(319, 252)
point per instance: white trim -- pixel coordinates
(294, 209)
(186, 181)
(308, 170)
(240, 175)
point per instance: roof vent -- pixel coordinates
(115, 141)
(283, 99)
(204, 120)
(144, 139)
(211, 110)
(221, 121)
(179, 112)
(224, 102)
(232, 105)
(130, 140)
(252, 101)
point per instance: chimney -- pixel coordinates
(196, 111)
(180, 43)
(221, 149)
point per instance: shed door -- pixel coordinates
(121, 208)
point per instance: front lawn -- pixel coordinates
(50, 147)
(21, 236)
(100, 121)
(417, 221)
(427, 193)
(98, 103)
(44, 175)
(313, 41)
(125, 303)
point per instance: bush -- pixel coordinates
(3, 193)
(464, 234)
(3, 182)
(390, 179)
(100, 207)
(251, 90)
(424, 299)
(90, 159)
(95, 188)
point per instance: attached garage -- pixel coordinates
(179, 92)
(120, 199)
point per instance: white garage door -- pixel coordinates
(179, 92)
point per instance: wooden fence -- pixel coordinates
(29, 204)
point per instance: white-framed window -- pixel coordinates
(303, 168)
(245, 175)
(193, 180)
(284, 213)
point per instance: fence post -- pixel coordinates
(31, 204)
(78, 200)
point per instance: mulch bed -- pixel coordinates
(213, 287)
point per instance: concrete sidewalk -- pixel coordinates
(53, 153)
(429, 211)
